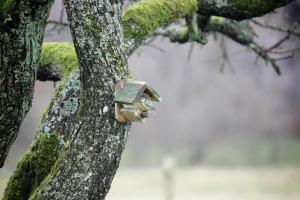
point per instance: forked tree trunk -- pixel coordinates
(90, 161)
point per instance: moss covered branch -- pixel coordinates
(144, 17)
(53, 133)
(33, 168)
(57, 60)
(239, 9)
(6, 6)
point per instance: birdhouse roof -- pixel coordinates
(129, 91)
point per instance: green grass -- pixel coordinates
(207, 183)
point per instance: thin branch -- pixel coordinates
(58, 23)
(290, 56)
(276, 28)
(286, 51)
(226, 60)
(190, 52)
(265, 56)
(280, 42)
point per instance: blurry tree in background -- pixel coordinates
(78, 147)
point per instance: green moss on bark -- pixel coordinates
(61, 56)
(35, 193)
(6, 7)
(34, 167)
(144, 17)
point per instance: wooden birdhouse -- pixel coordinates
(134, 100)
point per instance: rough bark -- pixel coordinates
(239, 9)
(92, 157)
(21, 32)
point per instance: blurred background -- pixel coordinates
(219, 134)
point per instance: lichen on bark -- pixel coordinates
(21, 36)
(52, 136)
(97, 141)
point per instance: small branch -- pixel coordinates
(280, 42)
(264, 55)
(58, 23)
(276, 28)
(238, 9)
(285, 57)
(225, 56)
(286, 51)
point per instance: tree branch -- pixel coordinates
(277, 28)
(53, 134)
(143, 18)
(239, 9)
(57, 60)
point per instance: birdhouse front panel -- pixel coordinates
(134, 100)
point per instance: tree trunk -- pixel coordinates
(90, 161)
(21, 33)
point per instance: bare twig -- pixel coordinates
(280, 42)
(225, 60)
(190, 52)
(58, 23)
(276, 28)
(265, 56)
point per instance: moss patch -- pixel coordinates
(6, 6)
(33, 168)
(144, 17)
(61, 56)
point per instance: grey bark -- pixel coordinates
(21, 36)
